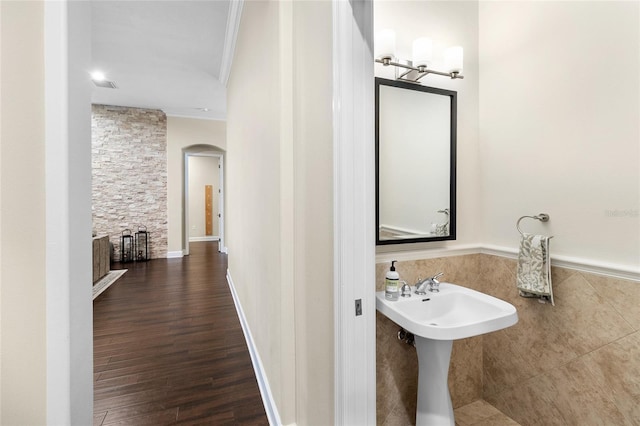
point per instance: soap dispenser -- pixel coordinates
(391, 283)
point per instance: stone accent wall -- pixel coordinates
(129, 171)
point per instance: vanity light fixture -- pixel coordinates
(422, 57)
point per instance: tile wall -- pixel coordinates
(576, 363)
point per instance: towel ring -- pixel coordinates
(542, 217)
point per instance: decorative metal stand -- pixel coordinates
(142, 244)
(126, 246)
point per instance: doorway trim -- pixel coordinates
(69, 306)
(354, 219)
(185, 199)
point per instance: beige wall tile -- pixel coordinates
(580, 398)
(583, 317)
(535, 366)
(397, 371)
(546, 336)
(616, 368)
(623, 295)
(461, 270)
(529, 403)
(419, 269)
(465, 371)
(560, 274)
(497, 277)
(474, 412)
(529, 347)
(398, 416)
(381, 270)
(503, 363)
(497, 420)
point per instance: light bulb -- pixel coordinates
(385, 44)
(422, 52)
(453, 58)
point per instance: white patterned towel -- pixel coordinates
(534, 267)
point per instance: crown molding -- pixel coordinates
(233, 25)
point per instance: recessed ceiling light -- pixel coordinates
(97, 76)
(100, 80)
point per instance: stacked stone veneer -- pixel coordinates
(129, 171)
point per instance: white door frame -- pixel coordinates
(354, 217)
(69, 306)
(185, 220)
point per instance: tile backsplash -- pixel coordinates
(574, 363)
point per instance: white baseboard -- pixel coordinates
(577, 264)
(263, 383)
(207, 238)
(174, 254)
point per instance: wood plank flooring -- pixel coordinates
(169, 349)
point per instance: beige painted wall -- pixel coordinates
(203, 171)
(531, 139)
(313, 209)
(181, 134)
(280, 190)
(22, 224)
(559, 130)
(448, 23)
(253, 180)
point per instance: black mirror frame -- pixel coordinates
(452, 170)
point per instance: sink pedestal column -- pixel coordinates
(434, 401)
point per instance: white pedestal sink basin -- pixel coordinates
(436, 320)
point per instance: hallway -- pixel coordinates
(169, 349)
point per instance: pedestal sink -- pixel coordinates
(436, 320)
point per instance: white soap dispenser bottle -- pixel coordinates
(391, 283)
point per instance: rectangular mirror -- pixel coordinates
(415, 163)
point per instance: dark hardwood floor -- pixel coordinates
(169, 349)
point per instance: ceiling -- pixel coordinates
(168, 55)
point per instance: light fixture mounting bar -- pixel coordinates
(422, 71)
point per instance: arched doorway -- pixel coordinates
(203, 196)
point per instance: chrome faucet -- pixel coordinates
(432, 283)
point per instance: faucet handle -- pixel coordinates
(406, 290)
(434, 284)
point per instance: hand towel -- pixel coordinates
(534, 267)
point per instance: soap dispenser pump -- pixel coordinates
(391, 283)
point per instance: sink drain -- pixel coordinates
(433, 323)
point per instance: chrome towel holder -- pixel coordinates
(542, 217)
